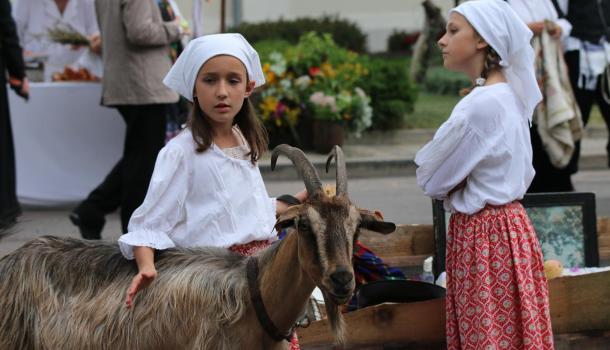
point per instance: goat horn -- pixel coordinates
(305, 168)
(337, 153)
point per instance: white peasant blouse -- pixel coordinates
(200, 199)
(486, 140)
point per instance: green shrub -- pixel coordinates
(313, 80)
(345, 33)
(444, 82)
(266, 47)
(391, 91)
(401, 41)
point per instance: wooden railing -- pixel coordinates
(409, 245)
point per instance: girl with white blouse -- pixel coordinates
(480, 164)
(206, 188)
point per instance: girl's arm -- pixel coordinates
(145, 258)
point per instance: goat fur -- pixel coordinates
(63, 293)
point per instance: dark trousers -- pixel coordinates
(548, 178)
(9, 207)
(126, 185)
(585, 100)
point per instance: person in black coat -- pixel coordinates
(586, 58)
(11, 60)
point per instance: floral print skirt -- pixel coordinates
(497, 293)
(251, 249)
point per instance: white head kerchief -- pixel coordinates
(181, 77)
(507, 34)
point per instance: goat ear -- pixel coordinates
(373, 221)
(287, 218)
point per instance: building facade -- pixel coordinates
(376, 18)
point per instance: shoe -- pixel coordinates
(90, 228)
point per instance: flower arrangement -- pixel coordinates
(314, 80)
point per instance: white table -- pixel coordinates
(65, 142)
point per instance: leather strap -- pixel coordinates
(252, 272)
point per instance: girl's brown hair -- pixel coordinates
(492, 62)
(250, 126)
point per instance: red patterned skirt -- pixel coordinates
(251, 249)
(497, 293)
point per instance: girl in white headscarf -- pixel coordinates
(207, 178)
(480, 164)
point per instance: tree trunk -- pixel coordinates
(433, 27)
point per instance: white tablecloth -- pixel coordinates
(65, 142)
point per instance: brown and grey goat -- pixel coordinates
(62, 293)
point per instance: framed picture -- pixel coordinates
(565, 225)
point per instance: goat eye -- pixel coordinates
(303, 225)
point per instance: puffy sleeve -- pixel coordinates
(151, 225)
(456, 149)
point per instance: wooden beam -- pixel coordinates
(409, 245)
(420, 323)
(578, 304)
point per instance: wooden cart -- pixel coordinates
(580, 305)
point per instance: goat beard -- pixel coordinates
(335, 316)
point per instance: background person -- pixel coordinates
(135, 46)
(480, 164)
(11, 61)
(34, 18)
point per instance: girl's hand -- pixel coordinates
(302, 196)
(536, 27)
(555, 31)
(281, 206)
(95, 44)
(139, 282)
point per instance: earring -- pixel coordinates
(480, 81)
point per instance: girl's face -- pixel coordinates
(462, 47)
(221, 86)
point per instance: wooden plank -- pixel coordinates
(400, 247)
(583, 341)
(578, 304)
(407, 246)
(418, 323)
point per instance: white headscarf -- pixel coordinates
(181, 77)
(505, 32)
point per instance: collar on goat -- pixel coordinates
(257, 301)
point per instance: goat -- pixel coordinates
(63, 293)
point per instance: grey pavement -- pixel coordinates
(381, 173)
(391, 154)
